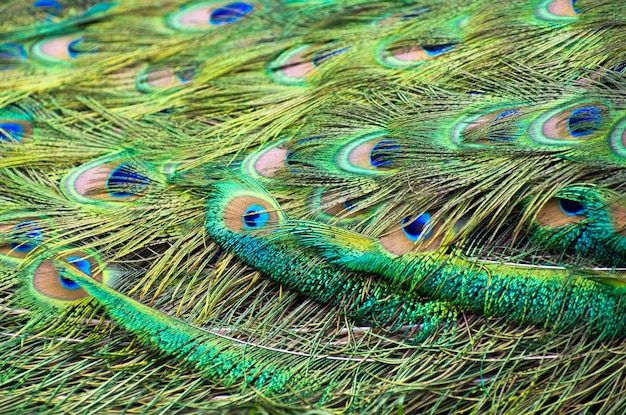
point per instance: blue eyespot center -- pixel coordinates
(571, 207)
(53, 4)
(82, 264)
(384, 153)
(435, 50)
(27, 236)
(72, 48)
(11, 131)
(126, 182)
(256, 216)
(584, 121)
(230, 13)
(415, 229)
(51, 7)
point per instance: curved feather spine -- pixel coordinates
(532, 294)
(209, 352)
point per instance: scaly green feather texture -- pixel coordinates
(312, 207)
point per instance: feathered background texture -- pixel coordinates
(312, 206)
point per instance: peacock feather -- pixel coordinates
(312, 206)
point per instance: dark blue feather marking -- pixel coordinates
(185, 75)
(571, 207)
(255, 217)
(290, 162)
(27, 236)
(82, 264)
(434, 50)
(619, 67)
(584, 121)
(72, 49)
(230, 13)
(384, 153)
(577, 11)
(125, 182)
(11, 52)
(353, 204)
(319, 58)
(10, 131)
(499, 131)
(414, 228)
(416, 12)
(49, 4)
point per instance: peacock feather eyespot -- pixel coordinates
(499, 125)
(62, 49)
(211, 14)
(52, 278)
(329, 207)
(617, 138)
(557, 11)
(294, 65)
(149, 79)
(247, 211)
(414, 233)
(106, 179)
(267, 161)
(394, 56)
(370, 154)
(569, 125)
(560, 211)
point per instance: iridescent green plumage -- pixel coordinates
(346, 206)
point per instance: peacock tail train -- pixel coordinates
(312, 206)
